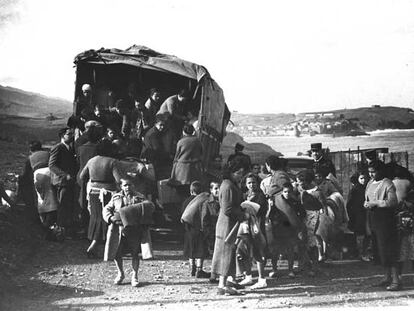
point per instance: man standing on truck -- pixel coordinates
(175, 107)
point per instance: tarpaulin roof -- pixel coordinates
(141, 56)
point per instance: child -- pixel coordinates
(121, 235)
(210, 211)
(324, 184)
(358, 214)
(314, 202)
(195, 245)
(288, 228)
(254, 194)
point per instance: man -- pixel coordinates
(319, 159)
(84, 103)
(63, 168)
(174, 107)
(238, 155)
(153, 148)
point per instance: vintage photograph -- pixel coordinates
(206, 155)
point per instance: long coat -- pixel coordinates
(230, 198)
(114, 234)
(187, 161)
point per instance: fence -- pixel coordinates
(347, 162)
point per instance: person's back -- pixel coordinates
(39, 159)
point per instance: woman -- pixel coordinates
(357, 213)
(381, 203)
(103, 177)
(230, 198)
(187, 161)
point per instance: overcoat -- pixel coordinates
(114, 233)
(230, 198)
(187, 161)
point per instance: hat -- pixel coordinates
(371, 154)
(86, 87)
(316, 146)
(239, 147)
(92, 123)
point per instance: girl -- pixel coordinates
(358, 214)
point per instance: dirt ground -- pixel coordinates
(58, 276)
(39, 275)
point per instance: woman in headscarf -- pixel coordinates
(230, 215)
(103, 176)
(381, 203)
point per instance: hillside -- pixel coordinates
(375, 117)
(365, 118)
(16, 102)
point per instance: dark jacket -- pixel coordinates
(62, 162)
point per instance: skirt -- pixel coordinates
(195, 245)
(97, 226)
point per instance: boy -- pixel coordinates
(195, 245)
(128, 231)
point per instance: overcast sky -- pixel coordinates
(268, 56)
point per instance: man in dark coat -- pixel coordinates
(238, 155)
(153, 148)
(320, 159)
(63, 168)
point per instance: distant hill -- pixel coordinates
(375, 117)
(367, 118)
(16, 102)
(241, 119)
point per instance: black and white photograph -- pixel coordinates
(206, 155)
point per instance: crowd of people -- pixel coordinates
(265, 215)
(100, 179)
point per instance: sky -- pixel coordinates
(268, 56)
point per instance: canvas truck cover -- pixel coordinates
(214, 114)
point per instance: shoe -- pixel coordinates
(213, 280)
(247, 281)
(393, 287)
(201, 274)
(261, 283)
(134, 281)
(383, 283)
(119, 278)
(193, 270)
(291, 274)
(365, 258)
(234, 285)
(272, 274)
(228, 291)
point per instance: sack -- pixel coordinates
(146, 245)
